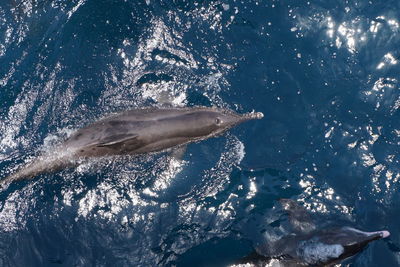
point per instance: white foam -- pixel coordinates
(313, 252)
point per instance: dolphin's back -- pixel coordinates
(133, 131)
(145, 114)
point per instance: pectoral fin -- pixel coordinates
(118, 140)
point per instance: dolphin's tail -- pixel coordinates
(39, 166)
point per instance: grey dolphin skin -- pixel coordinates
(135, 132)
(311, 245)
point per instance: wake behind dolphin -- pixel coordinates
(135, 131)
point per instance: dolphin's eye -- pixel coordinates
(218, 121)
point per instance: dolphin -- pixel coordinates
(136, 131)
(309, 245)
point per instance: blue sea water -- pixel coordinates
(324, 73)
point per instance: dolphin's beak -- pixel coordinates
(367, 237)
(231, 119)
(376, 235)
(251, 116)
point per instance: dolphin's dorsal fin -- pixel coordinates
(299, 218)
(117, 139)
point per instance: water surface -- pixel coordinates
(324, 73)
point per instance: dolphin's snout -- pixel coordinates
(384, 234)
(253, 116)
(375, 235)
(380, 234)
(258, 115)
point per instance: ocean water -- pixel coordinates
(324, 73)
